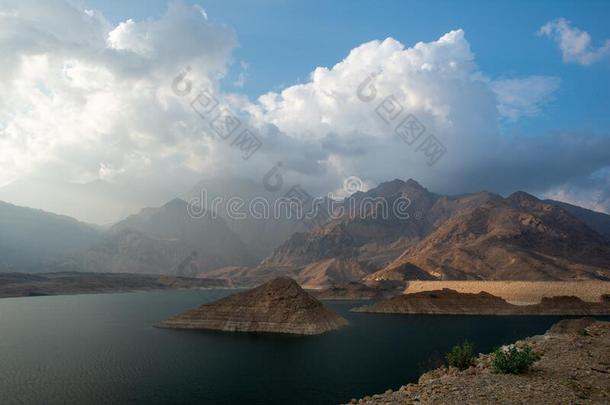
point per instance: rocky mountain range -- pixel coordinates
(479, 236)
(514, 238)
(476, 236)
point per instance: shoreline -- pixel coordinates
(20, 285)
(573, 368)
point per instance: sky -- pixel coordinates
(515, 95)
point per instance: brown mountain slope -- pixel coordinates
(517, 238)
(365, 238)
(596, 220)
(359, 228)
(479, 236)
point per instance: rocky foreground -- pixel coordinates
(574, 369)
(279, 306)
(450, 302)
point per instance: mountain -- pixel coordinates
(165, 240)
(361, 235)
(369, 233)
(595, 220)
(517, 238)
(279, 306)
(33, 240)
(481, 236)
(261, 235)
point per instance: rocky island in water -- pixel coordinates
(278, 306)
(450, 302)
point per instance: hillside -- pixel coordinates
(596, 220)
(165, 240)
(34, 241)
(517, 238)
(478, 236)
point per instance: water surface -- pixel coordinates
(103, 348)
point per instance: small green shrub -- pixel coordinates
(462, 356)
(513, 360)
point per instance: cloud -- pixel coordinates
(83, 101)
(575, 44)
(591, 192)
(243, 75)
(440, 84)
(524, 97)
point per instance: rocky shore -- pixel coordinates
(278, 306)
(574, 369)
(450, 302)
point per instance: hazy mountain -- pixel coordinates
(166, 240)
(94, 202)
(34, 241)
(261, 235)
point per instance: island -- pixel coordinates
(451, 302)
(278, 306)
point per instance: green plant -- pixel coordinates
(462, 356)
(513, 360)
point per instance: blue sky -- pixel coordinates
(283, 41)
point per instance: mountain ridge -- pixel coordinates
(518, 237)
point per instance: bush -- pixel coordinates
(513, 360)
(461, 357)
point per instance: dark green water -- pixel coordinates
(87, 349)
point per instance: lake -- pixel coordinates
(103, 348)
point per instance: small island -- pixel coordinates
(451, 302)
(278, 306)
